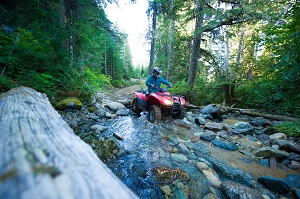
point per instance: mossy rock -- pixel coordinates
(70, 102)
(91, 108)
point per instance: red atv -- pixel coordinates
(158, 104)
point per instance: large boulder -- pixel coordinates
(235, 190)
(214, 110)
(115, 106)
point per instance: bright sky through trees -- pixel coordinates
(132, 19)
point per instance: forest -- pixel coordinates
(242, 53)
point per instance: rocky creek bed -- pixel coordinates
(197, 157)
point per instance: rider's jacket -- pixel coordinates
(156, 82)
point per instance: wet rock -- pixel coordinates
(264, 162)
(208, 135)
(223, 134)
(260, 121)
(109, 115)
(184, 149)
(179, 157)
(123, 112)
(100, 112)
(114, 106)
(200, 120)
(214, 110)
(278, 136)
(212, 178)
(198, 186)
(296, 193)
(166, 190)
(125, 102)
(211, 196)
(243, 128)
(271, 152)
(275, 184)
(197, 147)
(179, 194)
(288, 146)
(202, 166)
(226, 145)
(235, 190)
(293, 180)
(233, 174)
(213, 126)
(98, 127)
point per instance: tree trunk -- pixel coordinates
(152, 38)
(196, 46)
(170, 55)
(41, 157)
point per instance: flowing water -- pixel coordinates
(148, 148)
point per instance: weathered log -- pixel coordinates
(41, 157)
(252, 112)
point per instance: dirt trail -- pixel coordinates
(124, 93)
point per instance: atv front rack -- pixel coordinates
(176, 108)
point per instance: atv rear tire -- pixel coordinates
(154, 114)
(135, 106)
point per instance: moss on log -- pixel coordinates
(41, 157)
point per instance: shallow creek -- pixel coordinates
(148, 146)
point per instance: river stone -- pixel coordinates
(202, 166)
(198, 186)
(278, 136)
(180, 194)
(243, 128)
(288, 146)
(214, 110)
(200, 120)
(212, 178)
(275, 184)
(125, 102)
(211, 196)
(271, 152)
(100, 112)
(293, 180)
(226, 145)
(296, 192)
(235, 190)
(214, 126)
(123, 112)
(166, 190)
(114, 106)
(233, 174)
(98, 127)
(184, 149)
(177, 157)
(208, 135)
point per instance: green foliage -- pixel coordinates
(289, 128)
(267, 95)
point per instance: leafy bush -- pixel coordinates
(289, 128)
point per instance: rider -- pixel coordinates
(153, 82)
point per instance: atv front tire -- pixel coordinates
(182, 113)
(154, 114)
(135, 106)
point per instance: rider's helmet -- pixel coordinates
(156, 72)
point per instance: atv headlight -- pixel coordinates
(168, 102)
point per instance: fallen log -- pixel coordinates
(41, 157)
(252, 112)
